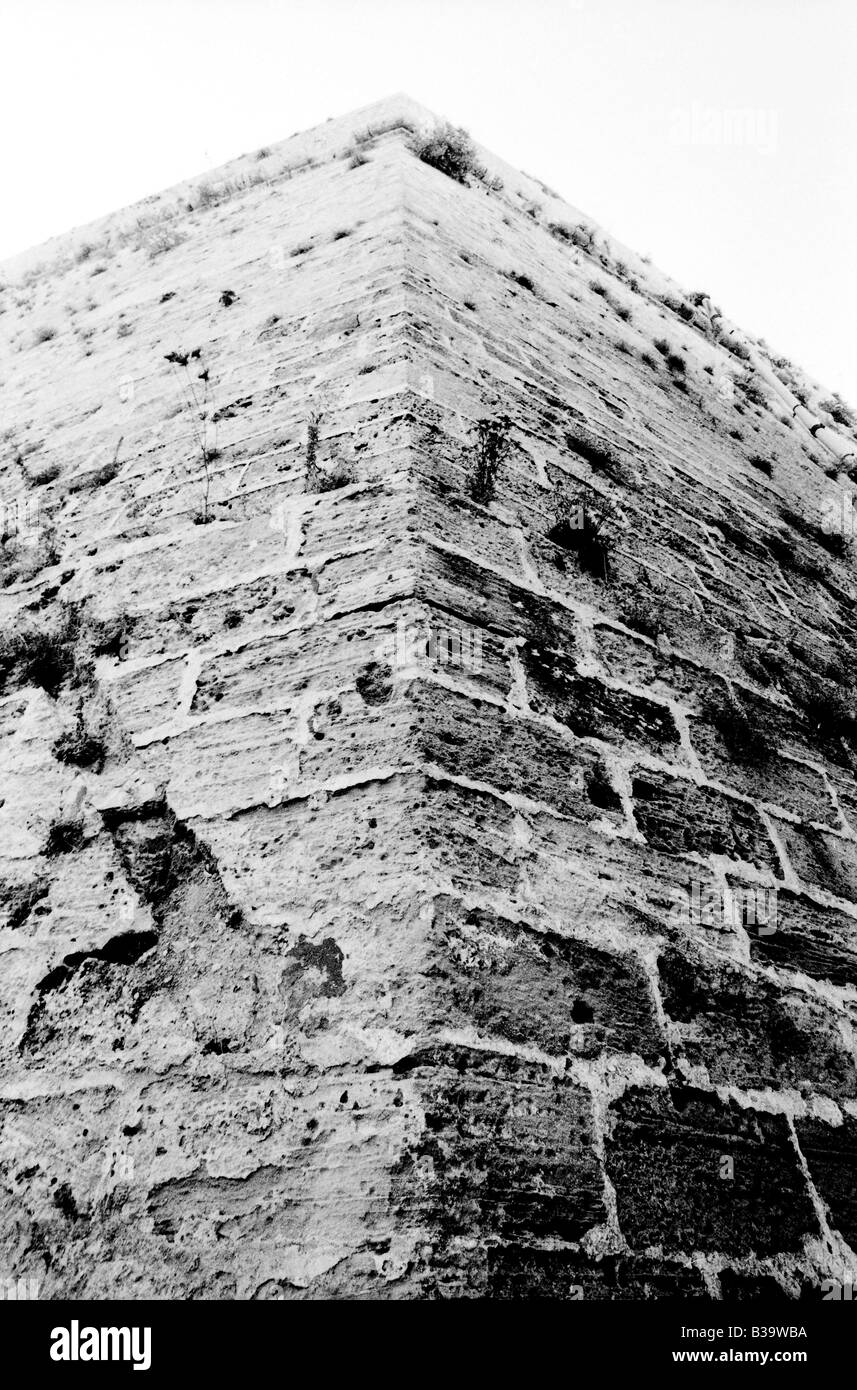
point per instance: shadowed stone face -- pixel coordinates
(691, 1172)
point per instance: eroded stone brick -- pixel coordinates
(815, 940)
(595, 710)
(828, 861)
(459, 585)
(770, 777)
(748, 1032)
(831, 1155)
(751, 1288)
(515, 1272)
(337, 522)
(640, 663)
(506, 1151)
(470, 835)
(669, 1157)
(540, 989)
(679, 817)
(468, 738)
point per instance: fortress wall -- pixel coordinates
(387, 958)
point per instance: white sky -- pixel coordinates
(619, 105)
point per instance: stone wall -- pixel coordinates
(365, 844)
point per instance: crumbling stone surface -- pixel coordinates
(830, 1158)
(507, 1152)
(680, 817)
(518, 1272)
(385, 947)
(666, 1156)
(809, 940)
(748, 1031)
(540, 989)
(751, 1288)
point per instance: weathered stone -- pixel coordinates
(592, 709)
(748, 1032)
(825, 860)
(751, 1288)
(540, 989)
(641, 663)
(831, 1152)
(335, 973)
(460, 585)
(670, 1156)
(516, 1272)
(466, 738)
(767, 775)
(810, 939)
(680, 817)
(507, 1152)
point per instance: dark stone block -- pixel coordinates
(818, 857)
(469, 738)
(665, 1159)
(748, 1032)
(817, 941)
(515, 1272)
(751, 1288)
(507, 1151)
(592, 709)
(538, 988)
(460, 586)
(679, 817)
(831, 1154)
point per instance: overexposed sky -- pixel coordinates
(719, 136)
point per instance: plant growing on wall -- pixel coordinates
(490, 449)
(580, 526)
(198, 396)
(449, 149)
(319, 479)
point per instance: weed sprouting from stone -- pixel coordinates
(44, 657)
(579, 526)
(199, 400)
(599, 454)
(312, 469)
(520, 279)
(762, 464)
(839, 412)
(581, 236)
(490, 449)
(82, 745)
(320, 479)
